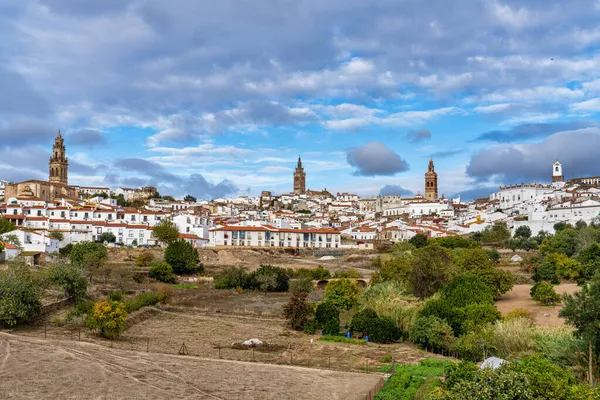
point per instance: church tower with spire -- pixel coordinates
(431, 182)
(299, 178)
(59, 163)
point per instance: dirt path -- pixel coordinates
(519, 297)
(52, 369)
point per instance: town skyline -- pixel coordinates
(224, 115)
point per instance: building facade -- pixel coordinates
(59, 163)
(431, 182)
(299, 178)
(270, 236)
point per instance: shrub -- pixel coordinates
(162, 272)
(582, 392)
(278, 278)
(343, 293)
(350, 274)
(561, 347)
(432, 268)
(547, 381)
(165, 293)
(233, 278)
(311, 327)
(108, 237)
(81, 309)
(494, 256)
(297, 311)
(474, 345)
(431, 332)
(19, 297)
(116, 296)
(70, 278)
(519, 313)
(107, 318)
(83, 254)
(301, 285)
(467, 289)
(141, 300)
(327, 317)
(144, 259)
(545, 294)
(514, 337)
(182, 256)
(392, 267)
(419, 240)
(392, 300)
(379, 330)
(496, 279)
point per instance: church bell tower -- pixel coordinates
(299, 178)
(59, 163)
(431, 182)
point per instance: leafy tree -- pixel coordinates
(166, 231)
(89, 256)
(547, 381)
(496, 233)
(327, 317)
(590, 258)
(302, 285)
(432, 268)
(234, 278)
(19, 296)
(379, 330)
(467, 289)
(431, 333)
(189, 197)
(342, 293)
(580, 224)
(498, 280)
(266, 282)
(57, 235)
(297, 311)
(107, 318)
(565, 241)
(108, 237)
(272, 279)
(70, 278)
(168, 198)
(523, 231)
(544, 293)
(392, 268)
(554, 265)
(419, 240)
(182, 256)
(14, 240)
(454, 242)
(470, 259)
(6, 225)
(162, 272)
(494, 256)
(1, 247)
(582, 310)
(317, 274)
(560, 226)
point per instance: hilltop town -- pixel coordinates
(49, 215)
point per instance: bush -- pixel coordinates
(343, 293)
(432, 268)
(301, 285)
(116, 296)
(297, 311)
(519, 313)
(545, 294)
(162, 272)
(279, 278)
(496, 279)
(182, 256)
(81, 309)
(419, 240)
(350, 274)
(70, 278)
(379, 330)
(514, 337)
(144, 259)
(311, 327)
(108, 237)
(19, 297)
(107, 318)
(165, 293)
(474, 345)
(327, 317)
(141, 300)
(547, 381)
(494, 256)
(467, 289)
(83, 254)
(431, 333)
(392, 300)
(233, 278)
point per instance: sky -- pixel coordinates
(220, 98)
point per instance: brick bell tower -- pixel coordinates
(59, 163)
(299, 178)
(431, 182)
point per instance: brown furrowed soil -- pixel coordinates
(32, 368)
(519, 297)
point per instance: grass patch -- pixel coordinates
(411, 382)
(141, 300)
(385, 359)
(186, 286)
(341, 339)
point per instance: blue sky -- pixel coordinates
(219, 99)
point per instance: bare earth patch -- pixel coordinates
(519, 297)
(32, 368)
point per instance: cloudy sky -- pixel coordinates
(219, 98)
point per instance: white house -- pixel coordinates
(270, 236)
(34, 242)
(10, 252)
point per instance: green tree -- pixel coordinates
(162, 272)
(14, 240)
(189, 197)
(107, 318)
(327, 317)
(392, 268)
(565, 241)
(70, 278)
(342, 293)
(166, 231)
(89, 256)
(495, 234)
(472, 259)
(544, 293)
(20, 294)
(582, 310)
(547, 381)
(272, 279)
(431, 333)
(182, 256)
(57, 235)
(560, 226)
(590, 260)
(297, 311)
(523, 231)
(419, 240)
(432, 268)
(6, 226)
(108, 237)
(301, 285)
(494, 256)
(379, 330)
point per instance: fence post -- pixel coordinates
(393, 366)
(147, 345)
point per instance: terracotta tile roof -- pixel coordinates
(12, 216)
(9, 246)
(60, 221)
(189, 236)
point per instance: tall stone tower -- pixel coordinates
(59, 163)
(557, 172)
(299, 178)
(431, 182)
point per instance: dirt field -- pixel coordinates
(32, 368)
(519, 297)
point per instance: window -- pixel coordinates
(145, 218)
(99, 230)
(141, 234)
(130, 233)
(39, 213)
(109, 217)
(15, 212)
(132, 218)
(62, 214)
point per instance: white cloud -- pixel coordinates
(588, 106)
